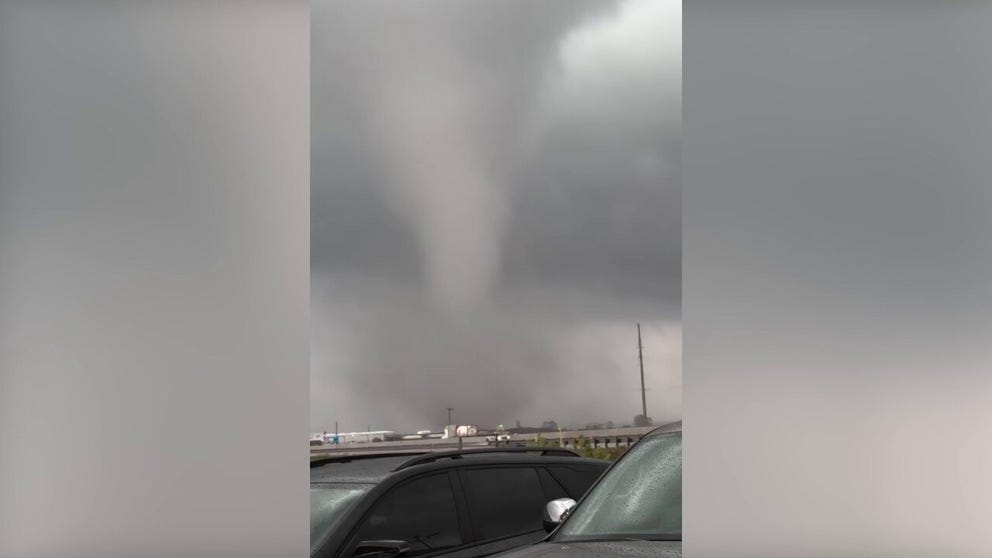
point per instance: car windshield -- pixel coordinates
(328, 503)
(640, 498)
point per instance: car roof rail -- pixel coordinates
(324, 459)
(458, 454)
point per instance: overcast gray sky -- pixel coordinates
(495, 204)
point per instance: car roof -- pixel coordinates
(665, 429)
(359, 469)
(375, 469)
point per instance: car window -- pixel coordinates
(576, 479)
(421, 512)
(640, 497)
(504, 501)
(328, 504)
(552, 488)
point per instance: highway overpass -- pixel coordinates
(610, 437)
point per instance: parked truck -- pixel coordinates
(497, 439)
(500, 436)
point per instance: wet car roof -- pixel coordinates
(366, 470)
(665, 429)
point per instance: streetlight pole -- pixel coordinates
(449, 415)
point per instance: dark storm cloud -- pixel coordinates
(493, 187)
(361, 48)
(591, 216)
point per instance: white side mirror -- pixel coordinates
(557, 511)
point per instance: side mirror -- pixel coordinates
(557, 511)
(381, 549)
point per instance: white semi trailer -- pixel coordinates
(456, 431)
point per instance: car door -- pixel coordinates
(424, 512)
(505, 505)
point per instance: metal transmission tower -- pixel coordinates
(640, 358)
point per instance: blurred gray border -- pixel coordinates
(154, 274)
(837, 278)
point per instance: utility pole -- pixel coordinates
(640, 358)
(449, 415)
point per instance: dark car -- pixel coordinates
(635, 509)
(467, 503)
